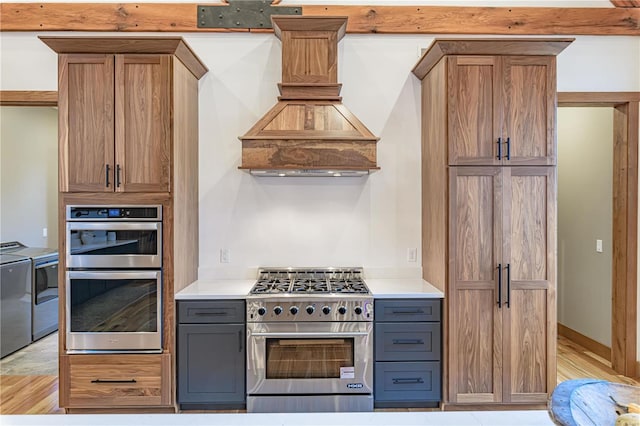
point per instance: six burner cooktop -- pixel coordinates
(305, 281)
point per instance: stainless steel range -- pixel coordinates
(309, 341)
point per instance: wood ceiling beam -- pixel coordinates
(626, 3)
(28, 98)
(182, 17)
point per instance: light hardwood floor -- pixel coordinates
(23, 394)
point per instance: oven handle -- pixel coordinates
(311, 334)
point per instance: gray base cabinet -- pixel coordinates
(407, 341)
(211, 355)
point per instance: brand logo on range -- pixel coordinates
(355, 385)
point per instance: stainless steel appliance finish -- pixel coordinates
(15, 303)
(114, 311)
(309, 341)
(44, 291)
(45, 295)
(114, 236)
(114, 279)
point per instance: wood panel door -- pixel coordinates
(86, 123)
(529, 102)
(474, 124)
(143, 123)
(309, 57)
(475, 319)
(529, 252)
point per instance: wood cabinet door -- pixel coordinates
(143, 123)
(529, 252)
(475, 319)
(529, 102)
(85, 121)
(473, 109)
(309, 57)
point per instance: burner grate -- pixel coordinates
(306, 281)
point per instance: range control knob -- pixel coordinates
(294, 310)
(277, 310)
(342, 310)
(357, 310)
(262, 311)
(310, 309)
(326, 310)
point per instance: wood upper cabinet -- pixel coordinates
(501, 110)
(502, 284)
(115, 122)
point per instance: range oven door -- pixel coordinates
(114, 244)
(116, 311)
(309, 358)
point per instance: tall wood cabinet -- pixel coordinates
(128, 135)
(489, 214)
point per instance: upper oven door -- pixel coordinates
(306, 358)
(114, 245)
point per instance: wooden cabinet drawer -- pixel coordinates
(115, 380)
(407, 381)
(407, 310)
(208, 311)
(407, 341)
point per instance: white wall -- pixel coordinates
(585, 213)
(317, 221)
(29, 175)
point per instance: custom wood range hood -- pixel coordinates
(309, 132)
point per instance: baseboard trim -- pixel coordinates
(587, 342)
(492, 406)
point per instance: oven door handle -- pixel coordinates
(298, 334)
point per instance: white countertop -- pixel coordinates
(239, 289)
(403, 289)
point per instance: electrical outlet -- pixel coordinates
(599, 246)
(412, 255)
(44, 232)
(225, 255)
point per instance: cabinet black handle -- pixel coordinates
(240, 341)
(408, 342)
(403, 381)
(508, 284)
(106, 175)
(114, 381)
(508, 148)
(499, 156)
(499, 268)
(118, 175)
(412, 312)
(210, 314)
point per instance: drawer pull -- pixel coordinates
(408, 342)
(412, 312)
(211, 314)
(406, 381)
(113, 381)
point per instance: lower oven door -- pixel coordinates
(309, 358)
(114, 311)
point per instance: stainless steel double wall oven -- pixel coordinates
(114, 278)
(309, 341)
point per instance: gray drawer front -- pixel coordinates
(407, 310)
(210, 311)
(407, 381)
(407, 341)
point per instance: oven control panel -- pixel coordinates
(292, 310)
